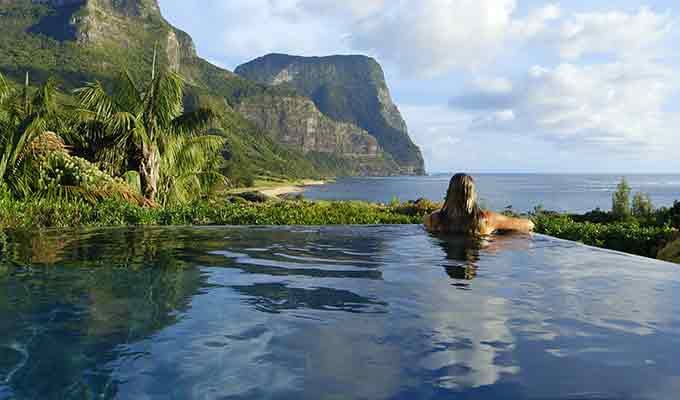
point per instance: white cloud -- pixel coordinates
(436, 35)
(493, 85)
(427, 38)
(614, 33)
(236, 31)
(537, 22)
(255, 29)
(353, 8)
(615, 104)
(451, 141)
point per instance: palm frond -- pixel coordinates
(190, 168)
(94, 99)
(19, 180)
(126, 93)
(5, 89)
(190, 153)
(16, 107)
(120, 123)
(192, 122)
(139, 136)
(163, 101)
(25, 133)
(44, 101)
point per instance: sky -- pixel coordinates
(487, 85)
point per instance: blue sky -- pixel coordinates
(488, 85)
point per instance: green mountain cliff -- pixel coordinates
(346, 88)
(295, 121)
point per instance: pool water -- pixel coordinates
(331, 313)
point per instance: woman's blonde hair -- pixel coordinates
(460, 213)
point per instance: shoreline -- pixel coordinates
(291, 189)
(277, 189)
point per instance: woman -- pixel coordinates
(461, 214)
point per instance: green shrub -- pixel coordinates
(117, 212)
(596, 216)
(621, 200)
(671, 252)
(626, 236)
(642, 205)
(670, 216)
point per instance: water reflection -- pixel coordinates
(310, 313)
(278, 297)
(463, 252)
(62, 323)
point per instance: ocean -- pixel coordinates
(575, 193)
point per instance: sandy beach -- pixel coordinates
(275, 191)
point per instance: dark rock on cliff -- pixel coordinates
(346, 88)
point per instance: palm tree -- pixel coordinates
(152, 120)
(34, 161)
(24, 117)
(190, 168)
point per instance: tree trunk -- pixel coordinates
(149, 170)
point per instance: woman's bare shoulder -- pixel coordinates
(432, 221)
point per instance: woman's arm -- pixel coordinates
(432, 223)
(499, 222)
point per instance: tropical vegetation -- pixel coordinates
(147, 128)
(134, 142)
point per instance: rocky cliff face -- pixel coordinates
(108, 22)
(346, 88)
(295, 121)
(134, 25)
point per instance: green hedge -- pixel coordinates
(627, 236)
(51, 214)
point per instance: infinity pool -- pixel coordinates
(331, 313)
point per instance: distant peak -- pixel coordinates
(333, 57)
(59, 3)
(348, 88)
(125, 7)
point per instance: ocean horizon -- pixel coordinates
(565, 192)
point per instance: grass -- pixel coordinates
(50, 214)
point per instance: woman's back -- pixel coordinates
(460, 213)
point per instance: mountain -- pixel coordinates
(82, 40)
(295, 121)
(351, 89)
